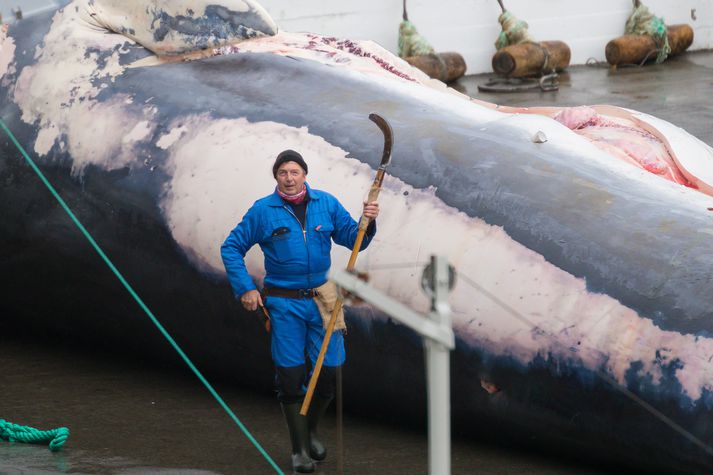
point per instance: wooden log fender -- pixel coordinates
(633, 49)
(444, 66)
(531, 59)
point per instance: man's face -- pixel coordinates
(290, 178)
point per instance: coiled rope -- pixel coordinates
(411, 43)
(17, 433)
(514, 31)
(643, 22)
(138, 300)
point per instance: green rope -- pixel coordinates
(138, 300)
(17, 433)
(514, 31)
(643, 22)
(411, 43)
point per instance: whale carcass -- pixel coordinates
(583, 312)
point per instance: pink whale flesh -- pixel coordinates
(625, 140)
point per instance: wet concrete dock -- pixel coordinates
(128, 416)
(679, 90)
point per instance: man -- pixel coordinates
(295, 226)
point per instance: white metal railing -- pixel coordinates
(437, 332)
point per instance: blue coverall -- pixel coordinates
(295, 258)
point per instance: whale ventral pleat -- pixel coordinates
(170, 27)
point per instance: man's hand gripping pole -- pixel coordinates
(363, 224)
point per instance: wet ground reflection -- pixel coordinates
(131, 418)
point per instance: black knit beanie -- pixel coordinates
(288, 156)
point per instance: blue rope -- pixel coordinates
(17, 433)
(643, 22)
(138, 300)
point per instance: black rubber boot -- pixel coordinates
(316, 410)
(299, 437)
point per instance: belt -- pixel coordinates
(290, 293)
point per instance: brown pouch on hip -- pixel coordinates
(326, 299)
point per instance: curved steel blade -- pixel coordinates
(388, 138)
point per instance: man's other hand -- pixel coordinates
(251, 299)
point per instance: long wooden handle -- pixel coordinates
(333, 320)
(363, 224)
(320, 359)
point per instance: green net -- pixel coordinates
(514, 31)
(643, 22)
(411, 43)
(17, 433)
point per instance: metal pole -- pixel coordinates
(438, 375)
(437, 334)
(340, 423)
(439, 412)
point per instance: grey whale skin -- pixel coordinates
(615, 235)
